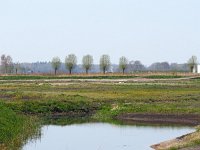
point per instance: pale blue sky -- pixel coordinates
(146, 30)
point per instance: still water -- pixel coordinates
(103, 136)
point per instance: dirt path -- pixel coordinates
(179, 141)
(139, 79)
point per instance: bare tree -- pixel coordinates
(87, 62)
(9, 64)
(104, 63)
(70, 62)
(123, 63)
(192, 63)
(17, 67)
(6, 64)
(3, 61)
(56, 63)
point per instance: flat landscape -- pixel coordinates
(137, 99)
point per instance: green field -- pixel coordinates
(99, 100)
(93, 76)
(160, 97)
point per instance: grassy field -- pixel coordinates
(155, 97)
(15, 129)
(102, 101)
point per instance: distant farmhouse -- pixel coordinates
(196, 68)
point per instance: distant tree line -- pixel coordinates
(7, 66)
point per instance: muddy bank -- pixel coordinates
(178, 119)
(168, 144)
(188, 141)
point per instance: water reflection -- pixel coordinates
(103, 136)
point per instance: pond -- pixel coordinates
(103, 136)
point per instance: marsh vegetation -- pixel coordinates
(102, 101)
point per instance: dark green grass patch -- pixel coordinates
(38, 77)
(163, 77)
(14, 128)
(51, 107)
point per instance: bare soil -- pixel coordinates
(181, 139)
(130, 80)
(180, 119)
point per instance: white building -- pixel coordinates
(196, 69)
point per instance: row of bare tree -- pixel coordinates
(87, 62)
(7, 65)
(104, 63)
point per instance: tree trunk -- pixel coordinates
(70, 71)
(123, 70)
(6, 69)
(192, 68)
(86, 71)
(55, 71)
(16, 71)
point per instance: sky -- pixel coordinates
(145, 30)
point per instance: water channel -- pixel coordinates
(103, 136)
